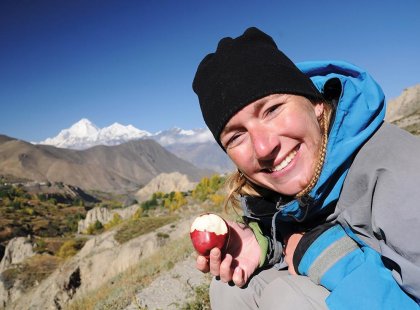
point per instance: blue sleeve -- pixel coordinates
(353, 273)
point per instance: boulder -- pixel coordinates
(17, 250)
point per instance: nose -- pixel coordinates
(264, 143)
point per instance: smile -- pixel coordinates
(285, 161)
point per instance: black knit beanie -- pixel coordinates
(241, 71)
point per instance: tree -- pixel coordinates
(207, 187)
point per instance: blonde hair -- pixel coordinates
(237, 184)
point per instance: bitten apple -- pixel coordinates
(208, 231)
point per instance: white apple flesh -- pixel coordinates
(208, 231)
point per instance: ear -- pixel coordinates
(319, 109)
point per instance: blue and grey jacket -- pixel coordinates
(351, 255)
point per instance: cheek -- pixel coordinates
(241, 157)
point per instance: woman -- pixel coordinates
(326, 187)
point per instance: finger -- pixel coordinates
(292, 270)
(215, 259)
(226, 268)
(202, 264)
(239, 277)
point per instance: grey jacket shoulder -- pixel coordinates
(380, 201)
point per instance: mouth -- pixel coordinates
(285, 162)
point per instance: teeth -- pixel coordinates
(285, 162)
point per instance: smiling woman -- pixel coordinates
(314, 193)
(275, 141)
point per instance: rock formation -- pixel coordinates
(104, 215)
(166, 183)
(17, 250)
(404, 111)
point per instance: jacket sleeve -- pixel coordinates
(353, 273)
(271, 249)
(380, 202)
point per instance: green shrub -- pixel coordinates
(41, 245)
(95, 228)
(42, 197)
(207, 187)
(217, 199)
(72, 221)
(152, 203)
(70, 248)
(138, 214)
(161, 235)
(29, 211)
(116, 219)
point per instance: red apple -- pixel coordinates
(208, 231)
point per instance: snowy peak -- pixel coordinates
(120, 132)
(82, 128)
(85, 134)
(81, 133)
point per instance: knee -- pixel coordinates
(228, 296)
(293, 292)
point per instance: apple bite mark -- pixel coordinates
(208, 231)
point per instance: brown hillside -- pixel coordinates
(124, 167)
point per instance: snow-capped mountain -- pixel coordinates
(196, 146)
(84, 134)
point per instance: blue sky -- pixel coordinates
(133, 62)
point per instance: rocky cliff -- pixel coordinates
(404, 111)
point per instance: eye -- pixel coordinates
(234, 140)
(271, 109)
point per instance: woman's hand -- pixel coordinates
(289, 250)
(241, 259)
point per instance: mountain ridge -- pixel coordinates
(121, 168)
(85, 134)
(196, 146)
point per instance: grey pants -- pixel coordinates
(269, 289)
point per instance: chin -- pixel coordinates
(289, 189)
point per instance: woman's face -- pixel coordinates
(275, 141)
